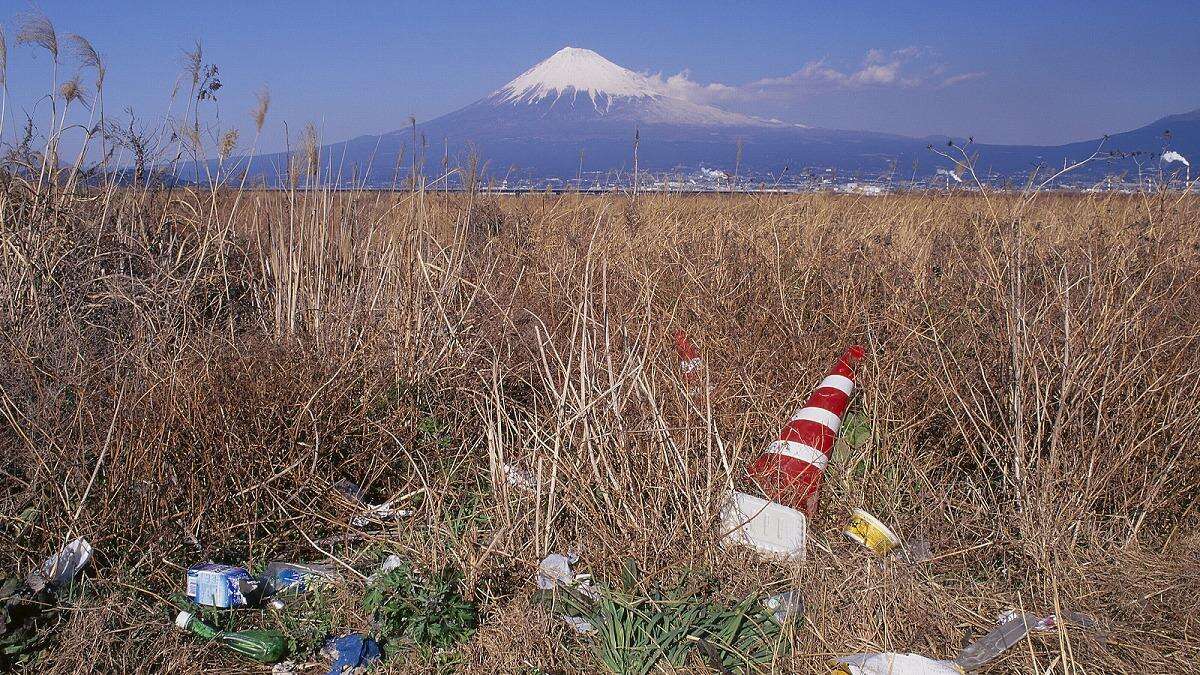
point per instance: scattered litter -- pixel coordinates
(264, 646)
(62, 567)
(555, 571)
(764, 525)
(518, 477)
(791, 469)
(371, 512)
(219, 585)
(554, 574)
(291, 579)
(1051, 622)
(284, 576)
(351, 652)
(28, 604)
(382, 511)
(787, 607)
(868, 531)
(285, 668)
(1013, 627)
(891, 663)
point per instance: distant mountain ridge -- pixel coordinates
(577, 113)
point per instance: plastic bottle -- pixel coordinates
(265, 646)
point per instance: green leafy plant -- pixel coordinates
(639, 633)
(426, 610)
(23, 616)
(856, 430)
(307, 621)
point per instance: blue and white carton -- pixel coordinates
(218, 585)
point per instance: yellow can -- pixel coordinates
(868, 531)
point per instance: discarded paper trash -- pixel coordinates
(769, 527)
(890, 663)
(390, 564)
(555, 571)
(868, 531)
(219, 585)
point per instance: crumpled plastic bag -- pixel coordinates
(60, 568)
(555, 572)
(351, 653)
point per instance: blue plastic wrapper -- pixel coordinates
(284, 577)
(352, 651)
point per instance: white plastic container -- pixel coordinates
(767, 526)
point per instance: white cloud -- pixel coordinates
(682, 86)
(906, 68)
(962, 77)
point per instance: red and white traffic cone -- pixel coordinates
(790, 470)
(689, 359)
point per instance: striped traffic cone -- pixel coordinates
(790, 469)
(689, 358)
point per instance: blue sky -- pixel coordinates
(1033, 72)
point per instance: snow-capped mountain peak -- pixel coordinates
(579, 83)
(574, 71)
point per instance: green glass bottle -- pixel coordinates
(265, 646)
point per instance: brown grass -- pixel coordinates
(216, 360)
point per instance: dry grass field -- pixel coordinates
(185, 374)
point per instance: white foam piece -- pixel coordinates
(891, 663)
(771, 528)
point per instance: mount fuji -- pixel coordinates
(578, 114)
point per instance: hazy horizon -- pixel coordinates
(1000, 75)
